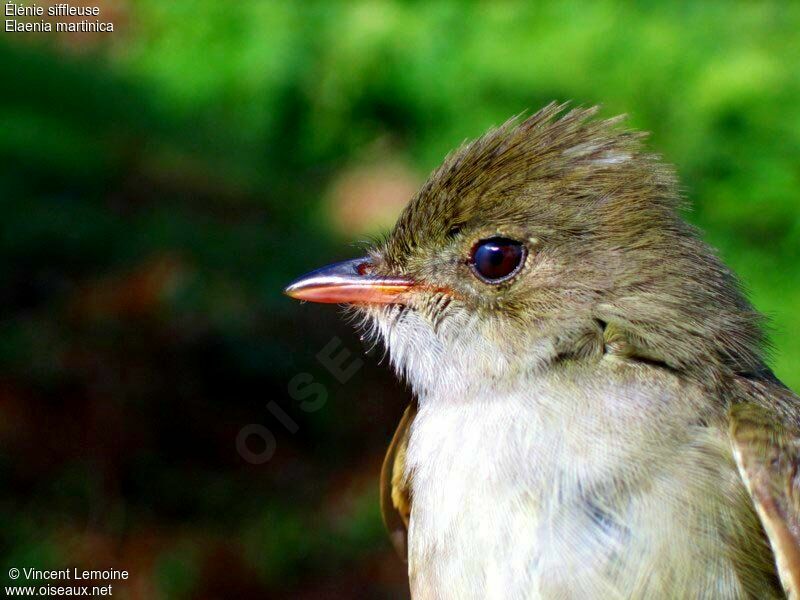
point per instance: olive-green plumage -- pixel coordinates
(593, 414)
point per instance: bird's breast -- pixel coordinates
(562, 489)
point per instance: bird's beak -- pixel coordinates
(348, 282)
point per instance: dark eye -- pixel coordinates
(497, 259)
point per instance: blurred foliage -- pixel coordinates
(159, 185)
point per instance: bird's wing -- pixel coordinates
(766, 444)
(395, 486)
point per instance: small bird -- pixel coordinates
(593, 416)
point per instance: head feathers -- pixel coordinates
(565, 159)
(611, 245)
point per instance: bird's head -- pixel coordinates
(526, 245)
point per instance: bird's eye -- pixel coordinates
(497, 259)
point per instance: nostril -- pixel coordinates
(364, 268)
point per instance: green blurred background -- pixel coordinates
(159, 185)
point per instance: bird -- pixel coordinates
(592, 414)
